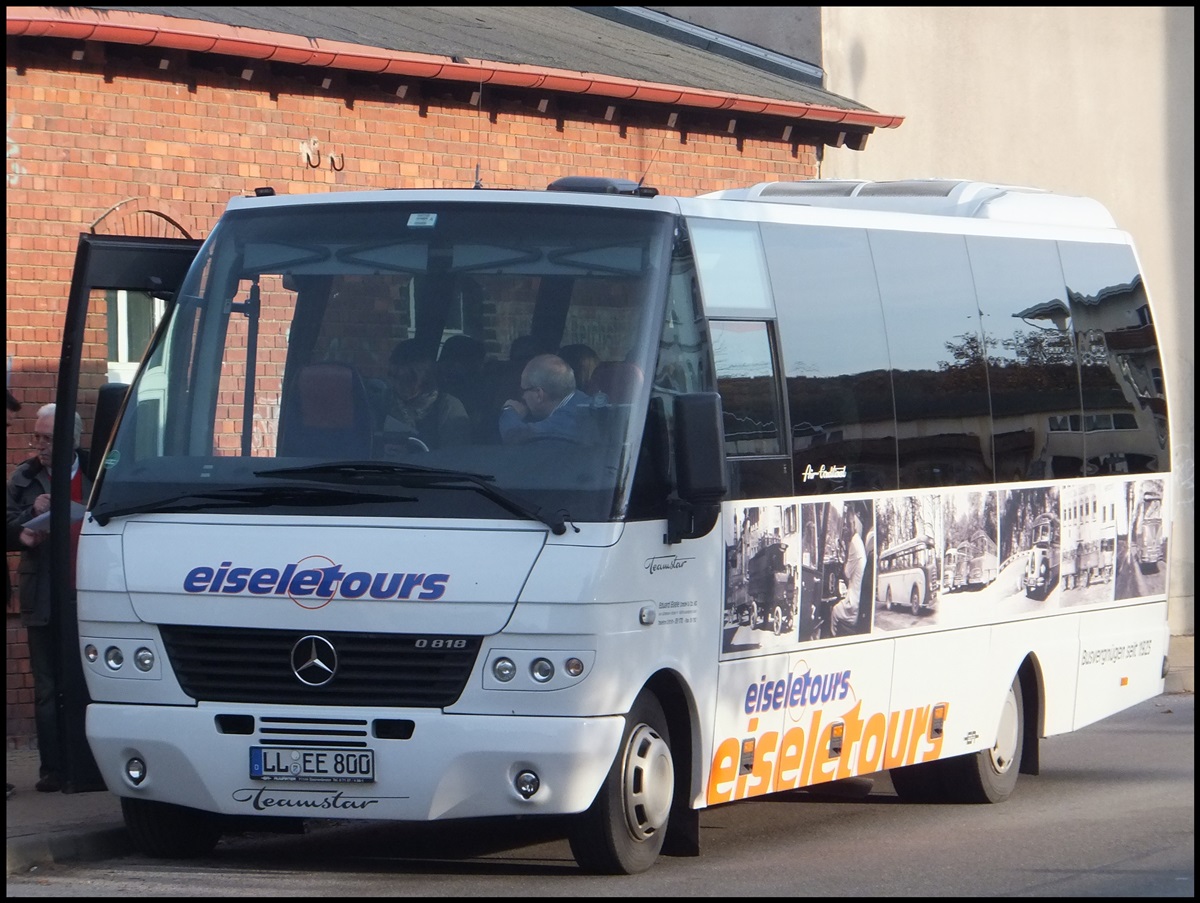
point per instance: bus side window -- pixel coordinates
(1125, 410)
(1032, 369)
(835, 358)
(939, 371)
(746, 378)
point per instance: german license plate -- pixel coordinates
(354, 766)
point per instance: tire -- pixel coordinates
(988, 776)
(888, 600)
(777, 621)
(914, 601)
(167, 831)
(623, 831)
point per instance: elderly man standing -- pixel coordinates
(29, 497)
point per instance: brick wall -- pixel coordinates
(173, 145)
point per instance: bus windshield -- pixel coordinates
(325, 359)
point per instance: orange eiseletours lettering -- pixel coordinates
(821, 772)
(850, 740)
(935, 743)
(810, 750)
(870, 750)
(758, 781)
(791, 757)
(920, 729)
(897, 738)
(723, 778)
(800, 757)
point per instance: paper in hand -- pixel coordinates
(41, 522)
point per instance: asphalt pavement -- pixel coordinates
(63, 827)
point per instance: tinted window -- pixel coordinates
(835, 358)
(753, 419)
(1031, 357)
(938, 371)
(1120, 367)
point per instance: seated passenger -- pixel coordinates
(550, 406)
(418, 409)
(583, 361)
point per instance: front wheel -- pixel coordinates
(777, 620)
(914, 601)
(623, 831)
(167, 831)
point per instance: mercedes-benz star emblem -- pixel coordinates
(314, 661)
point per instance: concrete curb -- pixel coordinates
(1182, 657)
(31, 851)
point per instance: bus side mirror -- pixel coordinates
(109, 399)
(701, 480)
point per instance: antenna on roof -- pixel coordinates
(478, 98)
(653, 157)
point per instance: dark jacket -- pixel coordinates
(29, 480)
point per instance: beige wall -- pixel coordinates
(1095, 101)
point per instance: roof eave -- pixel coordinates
(147, 30)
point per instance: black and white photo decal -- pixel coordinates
(1142, 546)
(837, 568)
(761, 565)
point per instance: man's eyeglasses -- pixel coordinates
(40, 439)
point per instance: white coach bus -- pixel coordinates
(296, 602)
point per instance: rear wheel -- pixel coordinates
(623, 831)
(888, 599)
(988, 776)
(914, 601)
(777, 620)
(167, 831)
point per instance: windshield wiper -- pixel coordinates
(247, 497)
(416, 476)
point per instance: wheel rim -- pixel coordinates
(649, 783)
(915, 601)
(777, 620)
(1004, 752)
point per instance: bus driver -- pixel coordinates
(550, 407)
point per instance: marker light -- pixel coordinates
(114, 658)
(573, 667)
(143, 659)
(91, 653)
(542, 670)
(504, 670)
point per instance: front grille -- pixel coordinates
(233, 664)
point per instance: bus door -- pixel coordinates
(104, 266)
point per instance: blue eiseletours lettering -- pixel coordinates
(197, 580)
(434, 587)
(796, 690)
(296, 579)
